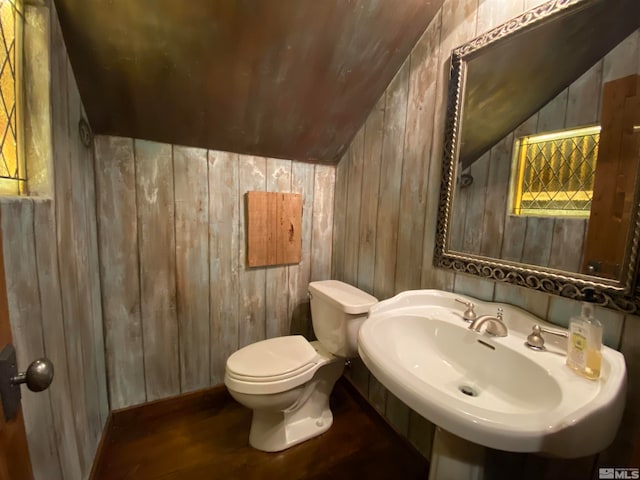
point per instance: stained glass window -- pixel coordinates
(555, 173)
(11, 168)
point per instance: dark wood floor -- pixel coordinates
(205, 436)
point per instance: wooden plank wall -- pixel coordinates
(391, 211)
(178, 295)
(51, 252)
(482, 223)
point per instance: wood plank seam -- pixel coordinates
(139, 266)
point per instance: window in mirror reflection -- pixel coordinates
(555, 172)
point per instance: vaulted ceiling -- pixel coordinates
(279, 78)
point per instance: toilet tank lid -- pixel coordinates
(346, 297)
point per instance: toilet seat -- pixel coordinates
(274, 365)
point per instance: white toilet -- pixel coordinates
(287, 381)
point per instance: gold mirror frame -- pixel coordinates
(619, 295)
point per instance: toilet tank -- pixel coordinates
(337, 311)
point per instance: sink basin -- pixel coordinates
(491, 391)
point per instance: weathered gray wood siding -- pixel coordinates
(391, 232)
(178, 296)
(53, 285)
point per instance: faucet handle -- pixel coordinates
(535, 340)
(469, 314)
(500, 313)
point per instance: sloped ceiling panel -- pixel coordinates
(279, 78)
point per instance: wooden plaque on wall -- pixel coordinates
(274, 226)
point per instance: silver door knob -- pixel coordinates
(38, 376)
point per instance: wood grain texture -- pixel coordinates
(156, 240)
(354, 196)
(339, 218)
(14, 449)
(91, 269)
(53, 332)
(370, 188)
(277, 278)
(302, 182)
(455, 24)
(76, 250)
(413, 194)
(191, 185)
(615, 181)
(474, 209)
(567, 243)
(495, 203)
(318, 67)
(390, 184)
(224, 238)
(322, 222)
(26, 324)
(273, 227)
(119, 273)
(65, 236)
(80, 256)
(251, 307)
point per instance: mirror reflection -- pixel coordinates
(551, 183)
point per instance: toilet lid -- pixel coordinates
(276, 357)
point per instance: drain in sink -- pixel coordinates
(467, 390)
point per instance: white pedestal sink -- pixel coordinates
(490, 391)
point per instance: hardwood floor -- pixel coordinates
(205, 436)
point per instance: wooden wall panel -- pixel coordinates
(191, 184)
(413, 195)
(322, 223)
(87, 266)
(221, 303)
(65, 238)
(251, 309)
(54, 339)
(156, 240)
(302, 182)
(277, 278)
(390, 184)
(370, 189)
(116, 207)
(224, 261)
(339, 218)
(354, 195)
(456, 23)
(77, 256)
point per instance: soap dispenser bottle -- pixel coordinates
(584, 353)
(594, 344)
(577, 343)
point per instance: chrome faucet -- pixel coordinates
(495, 325)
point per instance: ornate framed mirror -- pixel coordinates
(542, 153)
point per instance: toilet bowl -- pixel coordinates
(287, 381)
